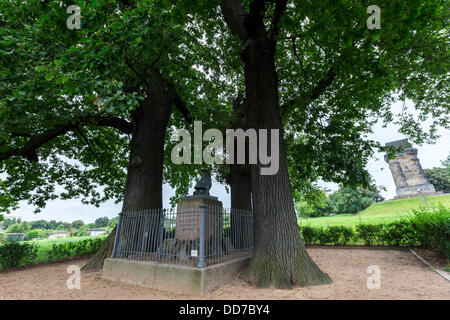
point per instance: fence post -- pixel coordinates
(117, 237)
(201, 260)
(145, 230)
(161, 233)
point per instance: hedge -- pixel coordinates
(75, 248)
(16, 253)
(427, 228)
(21, 253)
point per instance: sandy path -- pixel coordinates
(403, 276)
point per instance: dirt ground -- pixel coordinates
(402, 276)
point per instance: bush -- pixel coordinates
(427, 228)
(336, 235)
(433, 229)
(308, 234)
(398, 233)
(32, 234)
(369, 234)
(75, 248)
(340, 234)
(17, 253)
(81, 233)
(323, 236)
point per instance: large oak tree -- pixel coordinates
(321, 87)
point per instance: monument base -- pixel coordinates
(189, 215)
(171, 277)
(413, 191)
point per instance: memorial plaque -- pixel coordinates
(188, 217)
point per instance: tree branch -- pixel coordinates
(28, 151)
(114, 122)
(254, 21)
(181, 106)
(234, 15)
(126, 4)
(280, 7)
(321, 86)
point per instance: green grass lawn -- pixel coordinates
(379, 212)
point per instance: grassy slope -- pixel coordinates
(379, 212)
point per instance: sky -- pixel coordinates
(430, 155)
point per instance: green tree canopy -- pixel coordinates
(439, 177)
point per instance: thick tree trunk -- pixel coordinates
(241, 199)
(143, 189)
(105, 251)
(280, 258)
(240, 182)
(240, 185)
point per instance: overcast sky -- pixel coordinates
(430, 155)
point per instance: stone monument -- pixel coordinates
(189, 209)
(409, 178)
(188, 222)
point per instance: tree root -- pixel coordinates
(264, 272)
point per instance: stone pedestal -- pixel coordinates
(188, 217)
(409, 178)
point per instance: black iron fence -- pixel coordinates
(197, 236)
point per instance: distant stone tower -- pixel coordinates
(409, 178)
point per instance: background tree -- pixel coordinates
(77, 224)
(101, 222)
(439, 177)
(21, 227)
(52, 225)
(348, 200)
(9, 222)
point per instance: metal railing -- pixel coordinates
(198, 236)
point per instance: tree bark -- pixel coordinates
(240, 185)
(241, 199)
(280, 258)
(143, 189)
(239, 181)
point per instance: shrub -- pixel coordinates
(369, 234)
(340, 234)
(308, 234)
(427, 228)
(398, 233)
(75, 248)
(323, 236)
(17, 253)
(433, 229)
(81, 233)
(33, 234)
